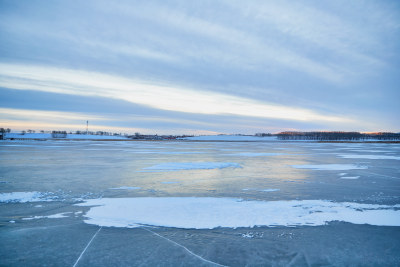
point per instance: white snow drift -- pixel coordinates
(23, 197)
(209, 212)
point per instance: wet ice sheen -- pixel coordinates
(360, 156)
(125, 188)
(210, 212)
(174, 166)
(331, 167)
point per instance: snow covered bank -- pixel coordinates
(45, 136)
(209, 212)
(230, 138)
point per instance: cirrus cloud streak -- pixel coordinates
(161, 96)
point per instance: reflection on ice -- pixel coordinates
(249, 154)
(330, 167)
(360, 156)
(125, 188)
(174, 166)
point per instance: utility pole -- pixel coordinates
(87, 127)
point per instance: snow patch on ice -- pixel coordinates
(209, 212)
(175, 166)
(261, 190)
(253, 235)
(356, 156)
(53, 216)
(350, 177)
(331, 167)
(23, 197)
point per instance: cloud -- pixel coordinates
(283, 64)
(159, 96)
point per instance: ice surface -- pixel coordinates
(125, 188)
(360, 156)
(210, 212)
(331, 167)
(163, 152)
(249, 154)
(23, 197)
(174, 166)
(370, 150)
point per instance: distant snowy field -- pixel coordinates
(69, 136)
(230, 138)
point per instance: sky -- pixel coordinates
(200, 67)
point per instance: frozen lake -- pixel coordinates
(103, 203)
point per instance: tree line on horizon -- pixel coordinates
(336, 135)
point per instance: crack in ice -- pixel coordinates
(185, 248)
(88, 244)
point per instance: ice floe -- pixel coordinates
(175, 166)
(331, 167)
(261, 190)
(359, 156)
(23, 197)
(53, 216)
(350, 177)
(210, 212)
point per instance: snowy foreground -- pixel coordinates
(199, 203)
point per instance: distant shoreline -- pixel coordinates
(202, 141)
